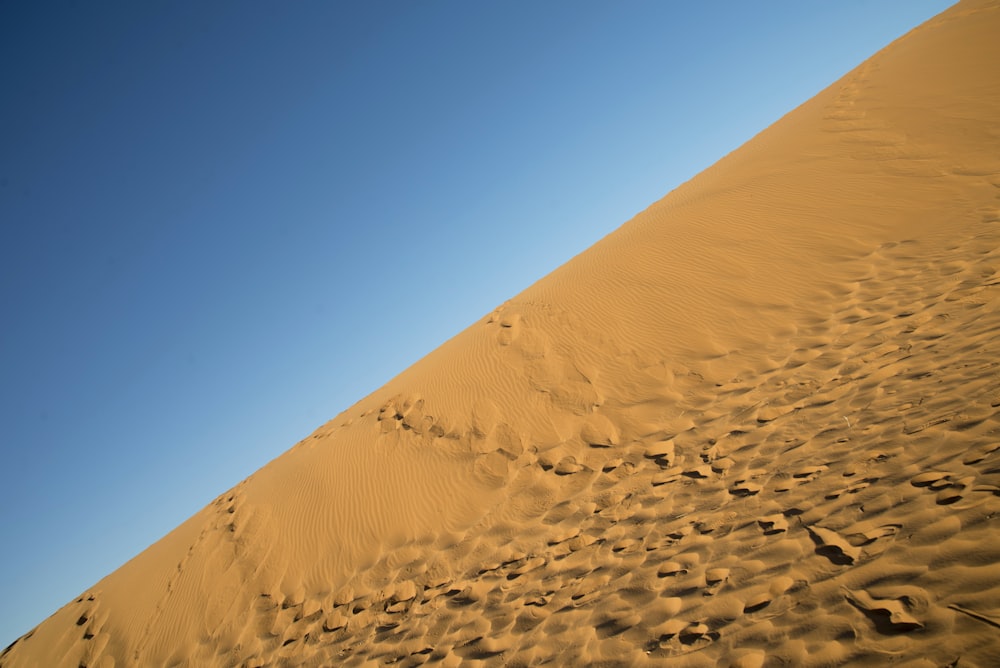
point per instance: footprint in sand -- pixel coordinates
(568, 466)
(699, 472)
(949, 491)
(853, 488)
(335, 621)
(981, 453)
(722, 465)
(508, 320)
(615, 622)
(510, 328)
(670, 569)
(932, 479)
(773, 524)
(884, 531)
(666, 476)
(757, 602)
(833, 546)
(661, 452)
(678, 636)
(890, 615)
(809, 473)
(751, 659)
(955, 492)
(599, 432)
(626, 546)
(715, 579)
(697, 633)
(745, 488)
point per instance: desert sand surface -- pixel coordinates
(758, 425)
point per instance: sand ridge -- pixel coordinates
(757, 425)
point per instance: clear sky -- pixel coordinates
(223, 223)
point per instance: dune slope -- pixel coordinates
(759, 424)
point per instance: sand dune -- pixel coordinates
(758, 425)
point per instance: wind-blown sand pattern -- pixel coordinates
(758, 425)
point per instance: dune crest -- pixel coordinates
(757, 425)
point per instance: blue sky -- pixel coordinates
(221, 224)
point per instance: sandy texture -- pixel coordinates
(758, 425)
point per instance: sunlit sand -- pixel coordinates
(758, 425)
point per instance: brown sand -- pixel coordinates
(757, 425)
